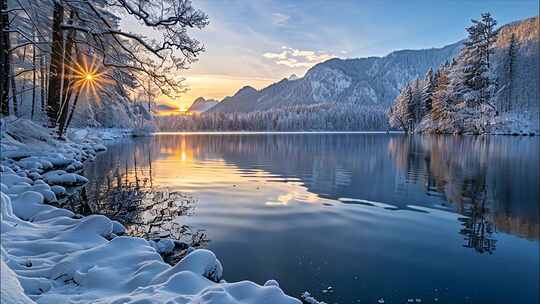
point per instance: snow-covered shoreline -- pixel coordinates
(51, 255)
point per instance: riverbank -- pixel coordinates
(51, 255)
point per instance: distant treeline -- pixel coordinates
(316, 117)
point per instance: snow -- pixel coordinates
(51, 255)
(61, 177)
(307, 298)
(11, 290)
(516, 124)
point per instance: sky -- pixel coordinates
(260, 42)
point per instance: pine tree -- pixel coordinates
(427, 92)
(417, 101)
(401, 113)
(475, 61)
(440, 100)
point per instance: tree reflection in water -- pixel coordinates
(127, 194)
(473, 174)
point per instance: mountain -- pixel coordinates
(201, 105)
(242, 101)
(366, 81)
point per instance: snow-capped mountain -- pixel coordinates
(201, 105)
(369, 81)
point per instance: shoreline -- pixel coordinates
(51, 255)
(393, 132)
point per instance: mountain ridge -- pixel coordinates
(355, 80)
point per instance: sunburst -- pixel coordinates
(88, 77)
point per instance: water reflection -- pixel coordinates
(122, 188)
(370, 214)
(491, 180)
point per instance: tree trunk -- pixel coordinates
(5, 45)
(42, 74)
(13, 89)
(68, 78)
(55, 70)
(73, 107)
(33, 81)
(23, 88)
(76, 99)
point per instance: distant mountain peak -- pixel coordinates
(200, 105)
(246, 90)
(293, 77)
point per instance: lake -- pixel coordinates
(440, 219)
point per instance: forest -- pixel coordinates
(317, 117)
(475, 92)
(60, 55)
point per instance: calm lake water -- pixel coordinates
(441, 219)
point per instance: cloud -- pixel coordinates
(295, 58)
(280, 19)
(281, 56)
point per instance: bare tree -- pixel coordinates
(120, 60)
(56, 66)
(5, 69)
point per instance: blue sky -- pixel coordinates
(260, 41)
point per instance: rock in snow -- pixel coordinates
(49, 255)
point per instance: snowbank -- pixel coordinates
(51, 255)
(516, 124)
(503, 124)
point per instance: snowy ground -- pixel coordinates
(526, 123)
(51, 255)
(516, 124)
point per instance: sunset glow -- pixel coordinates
(210, 86)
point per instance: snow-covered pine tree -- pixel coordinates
(416, 103)
(474, 62)
(400, 114)
(440, 101)
(427, 92)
